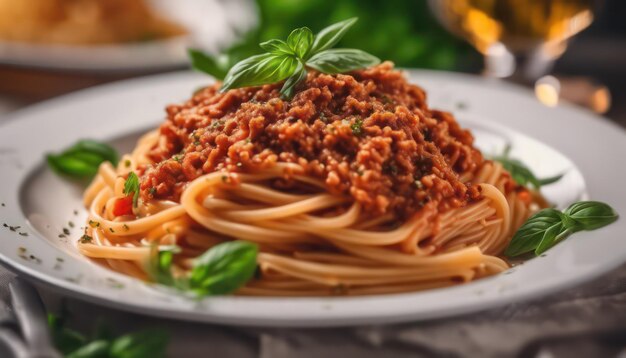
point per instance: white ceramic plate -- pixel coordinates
(211, 25)
(587, 148)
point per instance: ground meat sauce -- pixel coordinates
(368, 134)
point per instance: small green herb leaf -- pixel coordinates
(65, 339)
(300, 41)
(160, 264)
(289, 60)
(330, 35)
(214, 66)
(277, 47)
(71, 166)
(224, 268)
(357, 127)
(83, 159)
(545, 225)
(103, 150)
(131, 187)
(549, 180)
(591, 215)
(94, 349)
(290, 85)
(521, 173)
(259, 70)
(144, 344)
(341, 60)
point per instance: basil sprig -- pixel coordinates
(131, 187)
(549, 226)
(521, 173)
(290, 60)
(73, 344)
(82, 159)
(220, 270)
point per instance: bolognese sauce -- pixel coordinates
(368, 134)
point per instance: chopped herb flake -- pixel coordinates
(86, 239)
(131, 187)
(357, 127)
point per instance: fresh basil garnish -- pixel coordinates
(549, 226)
(300, 41)
(72, 344)
(148, 344)
(220, 270)
(259, 70)
(289, 60)
(590, 215)
(224, 268)
(341, 60)
(214, 66)
(131, 187)
(521, 173)
(83, 159)
(330, 35)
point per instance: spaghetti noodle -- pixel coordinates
(318, 232)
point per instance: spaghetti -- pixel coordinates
(318, 233)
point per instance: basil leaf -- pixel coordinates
(277, 47)
(94, 349)
(131, 186)
(71, 166)
(145, 344)
(160, 263)
(91, 146)
(259, 70)
(545, 225)
(521, 173)
(290, 85)
(83, 159)
(549, 180)
(65, 340)
(591, 215)
(224, 268)
(300, 41)
(341, 60)
(216, 67)
(551, 237)
(330, 35)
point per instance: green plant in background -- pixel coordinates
(403, 31)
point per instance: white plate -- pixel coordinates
(211, 24)
(42, 204)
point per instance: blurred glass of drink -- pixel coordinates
(516, 35)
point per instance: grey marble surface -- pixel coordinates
(587, 321)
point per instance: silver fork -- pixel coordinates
(24, 329)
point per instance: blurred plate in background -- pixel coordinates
(208, 24)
